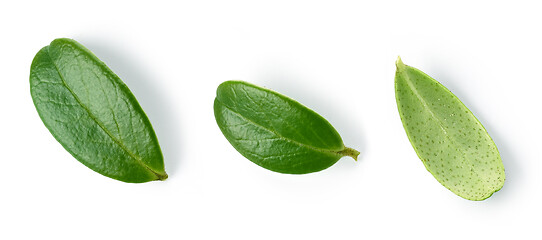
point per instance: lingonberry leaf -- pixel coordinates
(275, 131)
(93, 114)
(452, 144)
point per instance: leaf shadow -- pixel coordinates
(513, 170)
(158, 107)
(286, 82)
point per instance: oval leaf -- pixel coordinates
(275, 131)
(452, 144)
(93, 114)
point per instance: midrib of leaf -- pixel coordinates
(402, 68)
(338, 153)
(120, 144)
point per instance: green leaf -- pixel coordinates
(452, 144)
(275, 131)
(93, 114)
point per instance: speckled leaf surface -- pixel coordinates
(93, 114)
(275, 131)
(452, 144)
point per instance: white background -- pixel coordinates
(336, 57)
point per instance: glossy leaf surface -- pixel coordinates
(452, 144)
(93, 114)
(275, 131)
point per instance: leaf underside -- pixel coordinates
(275, 131)
(452, 144)
(93, 114)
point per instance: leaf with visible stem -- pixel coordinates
(275, 131)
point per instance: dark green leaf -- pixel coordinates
(275, 131)
(93, 114)
(452, 144)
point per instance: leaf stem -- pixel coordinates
(349, 152)
(161, 176)
(400, 65)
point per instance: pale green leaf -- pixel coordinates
(452, 144)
